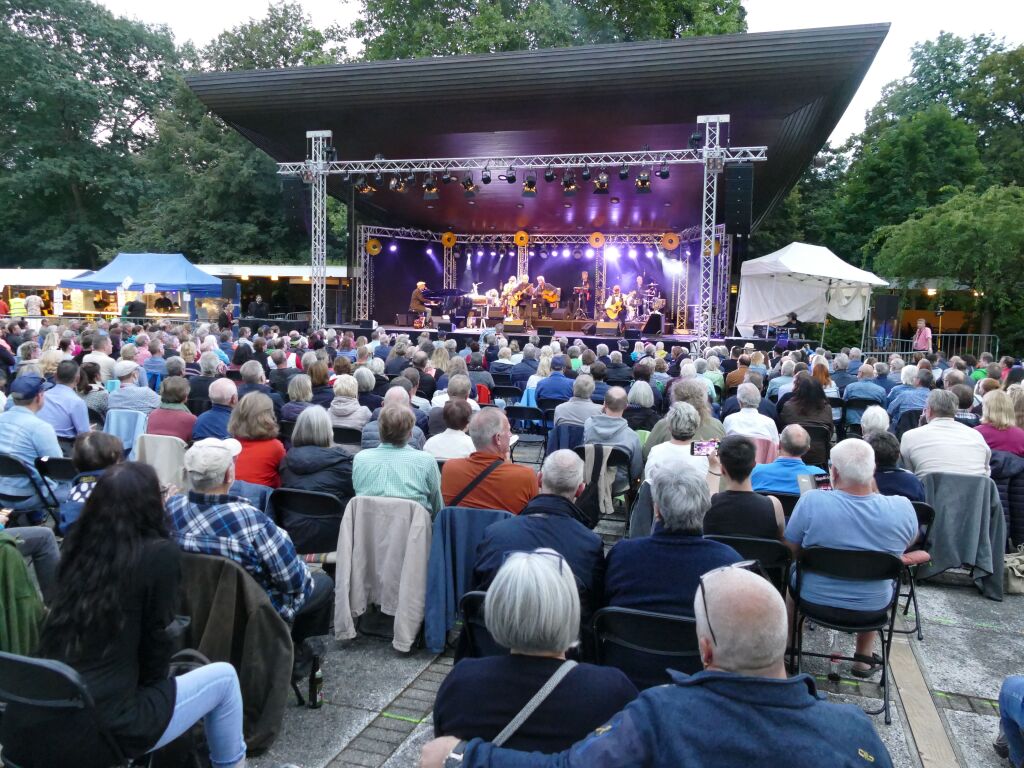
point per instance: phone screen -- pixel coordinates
(823, 482)
(703, 447)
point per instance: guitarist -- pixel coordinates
(539, 291)
(614, 304)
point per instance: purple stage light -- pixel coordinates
(430, 251)
(590, 253)
(566, 253)
(480, 252)
(612, 252)
(494, 253)
(650, 254)
(632, 253)
(393, 247)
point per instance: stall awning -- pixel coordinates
(160, 271)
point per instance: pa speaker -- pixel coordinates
(588, 329)
(739, 195)
(633, 334)
(514, 326)
(607, 328)
(401, 318)
(560, 314)
(545, 331)
(444, 327)
(371, 324)
(655, 324)
(887, 308)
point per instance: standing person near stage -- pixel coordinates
(615, 304)
(922, 337)
(583, 294)
(417, 303)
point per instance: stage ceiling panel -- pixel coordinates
(784, 90)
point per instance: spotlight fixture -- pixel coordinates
(485, 175)
(663, 171)
(623, 173)
(590, 253)
(549, 175)
(446, 176)
(378, 180)
(397, 184)
(568, 184)
(543, 253)
(410, 178)
(393, 247)
(643, 183)
(530, 185)
(468, 187)
(510, 175)
(577, 254)
(601, 184)
(430, 189)
(364, 187)
(585, 173)
(566, 253)
(696, 139)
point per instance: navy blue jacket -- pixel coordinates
(547, 521)
(521, 372)
(212, 423)
(661, 572)
(715, 720)
(275, 398)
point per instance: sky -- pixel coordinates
(912, 21)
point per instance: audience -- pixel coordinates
(458, 390)
(864, 388)
(453, 443)
(874, 419)
(610, 428)
(314, 462)
(345, 410)
(91, 389)
(890, 478)
(533, 608)
(749, 421)
(739, 510)
(319, 378)
(93, 453)
(780, 476)
(943, 445)
(640, 413)
(556, 385)
(213, 422)
(255, 380)
(808, 406)
(172, 417)
(998, 423)
(132, 395)
(253, 425)
(399, 396)
(913, 398)
(63, 409)
(576, 411)
(199, 386)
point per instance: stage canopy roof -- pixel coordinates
(164, 271)
(784, 90)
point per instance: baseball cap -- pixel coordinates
(211, 455)
(124, 368)
(28, 386)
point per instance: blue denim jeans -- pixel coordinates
(212, 693)
(1011, 713)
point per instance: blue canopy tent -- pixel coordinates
(155, 271)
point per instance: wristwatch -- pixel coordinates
(454, 759)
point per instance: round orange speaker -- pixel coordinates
(448, 239)
(373, 246)
(596, 240)
(670, 241)
(522, 238)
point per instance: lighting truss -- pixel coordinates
(317, 147)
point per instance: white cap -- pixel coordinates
(211, 456)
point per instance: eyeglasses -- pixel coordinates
(557, 558)
(747, 565)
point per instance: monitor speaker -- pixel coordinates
(633, 334)
(607, 328)
(545, 331)
(739, 195)
(403, 319)
(560, 314)
(588, 329)
(445, 327)
(514, 326)
(371, 324)
(654, 325)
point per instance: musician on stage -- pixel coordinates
(581, 297)
(524, 300)
(418, 305)
(538, 293)
(615, 304)
(792, 326)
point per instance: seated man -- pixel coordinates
(786, 372)
(661, 572)
(781, 475)
(743, 690)
(155, 363)
(864, 388)
(912, 399)
(766, 407)
(550, 520)
(610, 428)
(280, 373)
(598, 371)
(580, 408)
(393, 396)
(458, 390)
(749, 421)
(890, 478)
(556, 386)
(255, 380)
(394, 468)
(507, 486)
(503, 363)
(38, 546)
(739, 510)
(64, 409)
(853, 516)
(618, 373)
(214, 421)
(209, 521)
(943, 444)
(130, 395)
(523, 370)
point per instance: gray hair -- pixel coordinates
(364, 378)
(842, 362)
(907, 375)
(300, 388)
(683, 421)
(942, 404)
(529, 352)
(485, 425)
(175, 366)
(562, 473)
(748, 396)
(602, 350)
(681, 498)
(641, 394)
(787, 367)
(251, 372)
(308, 359)
(874, 419)
(700, 365)
(313, 427)
(583, 386)
(533, 605)
(854, 460)
(376, 365)
(346, 386)
(209, 364)
(795, 441)
(687, 370)
(615, 357)
(881, 370)
(459, 385)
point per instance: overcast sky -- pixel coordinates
(912, 21)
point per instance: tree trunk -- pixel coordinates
(986, 321)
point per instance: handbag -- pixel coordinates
(1013, 567)
(538, 698)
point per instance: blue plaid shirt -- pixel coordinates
(230, 527)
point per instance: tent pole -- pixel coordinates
(824, 321)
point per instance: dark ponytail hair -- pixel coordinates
(99, 559)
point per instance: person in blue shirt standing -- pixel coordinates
(781, 475)
(63, 408)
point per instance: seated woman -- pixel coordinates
(319, 376)
(453, 443)
(253, 424)
(640, 413)
(93, 453)
(365, 379)
(91, 389)
(172, 417)
(314, 463)
(808, 407)
(999, 425)
(300, 397)
(345, 410)
(116, 595)
(533, 608)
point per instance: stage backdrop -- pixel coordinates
(396, 271)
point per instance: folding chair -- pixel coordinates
(524, 421)
(821, 436)
(312, 519)
(285, 429)
(12, 467)
(510, 394)
(501, 380)
(772, 554)
(347, 436)
(787, 500)
(907, 421)
(127, 425)
(475, 641)
(913, 559)
(154, 380)
(59, 469)
(849, 565)
(643, 644)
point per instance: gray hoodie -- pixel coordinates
(347, 412)
(613, 430)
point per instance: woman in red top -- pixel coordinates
(172, 417)
(254, 426)
(999, 425)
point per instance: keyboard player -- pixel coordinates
(419, 305)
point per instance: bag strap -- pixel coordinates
(475, 482)
(538, 698)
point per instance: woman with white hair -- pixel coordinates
(683, 422)
(640, 413)
(714, 372)
(314, 463)
(533, 608)
(874, 419)
(345, 410)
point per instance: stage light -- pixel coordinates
(274, 278)
(623, 173)
(410, 178)
(446, 177)
(543, 254)
(577, 254)
(590, 253)
(612, 252)
(585, 173)
(601, 184)
(494, 253)
(468, 187)
(566, 253)
(397, 184)
(549, 175)
(485, 176)
(530, 185)
(378, 180)
(479, 251)
(663, 171)
(643, 183)
(364, 187)
(393, 247)
(632, 253)
(696, 139)
(510, 175)
(568, 184)
(532, 253)
(430, 251)
(430, 189)
(650, 254)
(687, 252)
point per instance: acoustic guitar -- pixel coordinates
(551, 295)
(616, 308)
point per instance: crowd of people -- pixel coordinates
(713, 444)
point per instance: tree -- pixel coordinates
(972, 239)
(401, 29)
(78, 92)
(783, 227)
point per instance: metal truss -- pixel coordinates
(362, 277)
(450, 269)
(500, 164)
(317, 143)
(600, 280)
(522, 260)
(723, 278)
(714, 162)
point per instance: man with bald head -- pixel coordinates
(397, 395)
(864, 388)
(610, 428)
(741, 710)
(214, 421)
(781, 475)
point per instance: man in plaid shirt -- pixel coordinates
(210, 521)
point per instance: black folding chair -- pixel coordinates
(286, 427)
(848, 565)
(312, 519)
(787, 500)
(501, 380)
(774, 556)
(475, 641)
(529, 424)
(907, 421)
(41, 697)
(234, 375)
(58, 469)
(925, 518)
(510, 394)
(12, 467)
(347, 436)
(644, 644)
(548, 405)
(857, 404)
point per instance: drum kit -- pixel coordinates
(642, 303)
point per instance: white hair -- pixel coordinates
(313, 427)
(533, 604)
(874, 419)
(788, 366)
(681, 498)
(641, 394)
(748, 395)
(907, 375)
(484, 426)
(602, 350)
(683, 420)
(583, 386)
(854, 460)
(562, 473)
(687, 370)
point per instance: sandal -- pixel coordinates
(874, 662)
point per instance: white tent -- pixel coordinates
(807, 279)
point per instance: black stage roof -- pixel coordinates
(784, 90)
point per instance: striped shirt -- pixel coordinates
(401, 473)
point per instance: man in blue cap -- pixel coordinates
(26, 437)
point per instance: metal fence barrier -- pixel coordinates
(949, 344)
